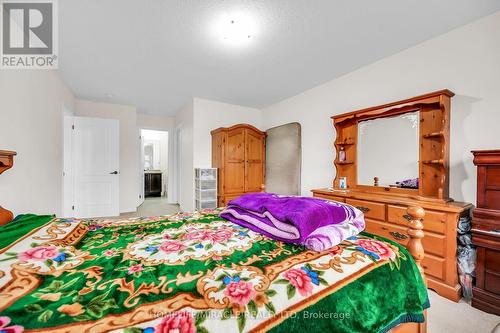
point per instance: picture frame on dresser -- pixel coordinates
(384, 206)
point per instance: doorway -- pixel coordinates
(155, 173)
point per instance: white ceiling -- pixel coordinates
(156, 54)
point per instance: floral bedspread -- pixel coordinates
(199, 273)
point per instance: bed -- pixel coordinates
(200, 273)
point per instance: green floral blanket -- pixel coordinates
(196, 272)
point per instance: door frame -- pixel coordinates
(68, 181)
(171, 163)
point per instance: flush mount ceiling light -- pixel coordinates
(236, 29)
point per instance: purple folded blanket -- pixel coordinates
(317, 224)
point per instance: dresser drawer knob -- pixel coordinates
(398, 236)
(409, 218)
(363, 209)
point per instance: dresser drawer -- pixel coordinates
(329, 197)
(389, 231)
(372, 210)
(433, 243)
(492, 282)
(492, 261)
(433, 221)
(493, 176)
(434, 266)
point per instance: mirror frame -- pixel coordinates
(434, 142)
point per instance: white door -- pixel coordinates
(96, 167)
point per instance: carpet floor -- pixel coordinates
(445, 316)
(153, 207)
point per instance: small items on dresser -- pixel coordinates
(486, 232)
(6, 162)
(342, 156)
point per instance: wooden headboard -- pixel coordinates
(6, 162)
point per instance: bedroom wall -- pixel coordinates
(210, 115)
(32, 104)
(196, 120)
(465, 60)
(129, 146)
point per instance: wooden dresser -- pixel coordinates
(385, 205)
(238, 152)
(386, 216)
(486, 232)
(6, 162)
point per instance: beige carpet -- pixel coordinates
(444, 316)
(153, 207)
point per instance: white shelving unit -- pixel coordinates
(205, 188)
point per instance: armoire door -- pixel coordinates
(235, 162)
(254, 173)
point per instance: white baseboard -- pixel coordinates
(128, 210)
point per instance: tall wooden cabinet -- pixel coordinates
(238, 152)
(486, 232)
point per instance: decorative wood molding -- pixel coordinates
(238, 126)
(486, 157)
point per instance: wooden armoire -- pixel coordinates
(238, 153)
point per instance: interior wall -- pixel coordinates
(129, 153)
(32, 106)
(210, 115)
(465, 60)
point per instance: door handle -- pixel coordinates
(363, 209)
(113, 173)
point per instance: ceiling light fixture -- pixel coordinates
(236, 29)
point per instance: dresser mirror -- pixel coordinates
(388, 149)
(405, 142)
